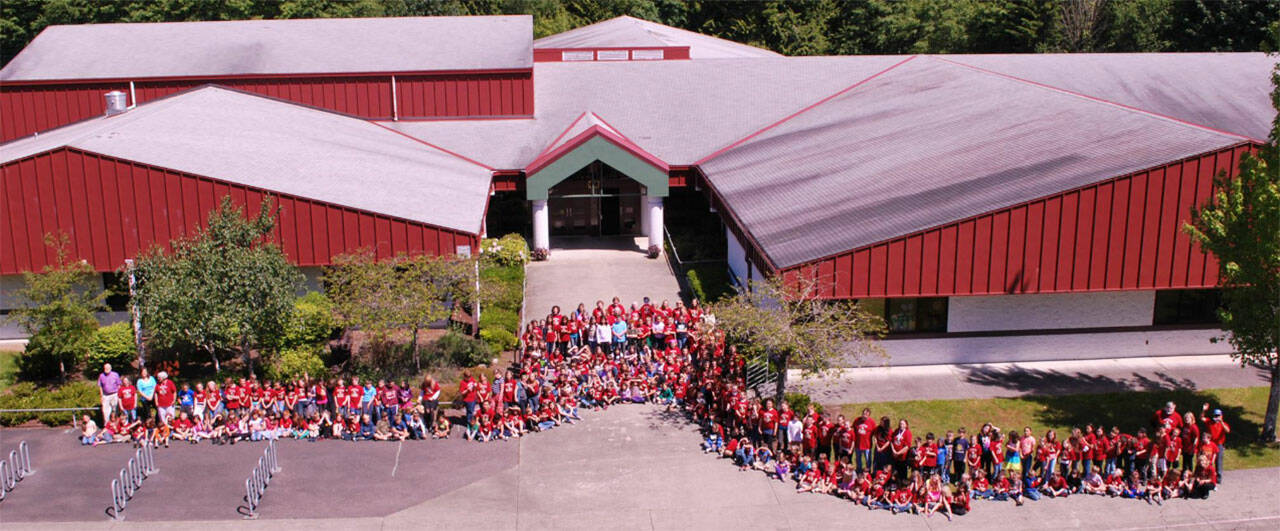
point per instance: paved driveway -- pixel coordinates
(589, 269)
(631, 467)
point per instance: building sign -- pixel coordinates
(577, 55)
(463, 251)
(647, 55)
(612, 55)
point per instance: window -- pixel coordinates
(1187, 306)
(910, 314)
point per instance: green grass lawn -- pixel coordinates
(8, 368)
(1243, 409)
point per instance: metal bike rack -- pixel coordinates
(259, 478)
(140, 467)
(15, 468)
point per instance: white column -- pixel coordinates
(655, 221)
(644, 214)
(541, 225)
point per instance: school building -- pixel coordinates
(958, 194)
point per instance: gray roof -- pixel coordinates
(246, 47)
(680, 111)
(928, 143)
(628, 31)
(286, 148)
(1227, 91)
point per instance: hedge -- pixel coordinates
(27, 396)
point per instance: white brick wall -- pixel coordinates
(1054, 310)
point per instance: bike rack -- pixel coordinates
(141, 466)
(15, 468)
(259, 478)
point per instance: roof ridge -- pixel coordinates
(807, 108)
(1094, 99)
(428, 144)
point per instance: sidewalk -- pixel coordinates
(992, 380)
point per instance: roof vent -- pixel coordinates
(116, 102)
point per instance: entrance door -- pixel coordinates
(610, 213)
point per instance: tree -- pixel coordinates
(790, 323)
(1081, 24)
(1241, 227)
(58, 312)
(227, 288)
(378, 296)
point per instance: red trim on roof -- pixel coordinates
(1097, 99)
(561, 135)
(425, 143)
(801, 111)
(547, 158)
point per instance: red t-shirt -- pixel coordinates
(862, 429)
(166, 393)
(128, 397)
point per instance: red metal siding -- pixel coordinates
(38, 107)
(1125, 233)
(436, 96)
(112, 209)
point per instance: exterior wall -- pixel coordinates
(32, 108)
(736, 256)
(114, 209)
(465, 95)
(1050, 310)
(9, 286)
(1120, 234)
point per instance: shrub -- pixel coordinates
(311, 323)
(539, 255)
(509, 250)
(499, 318)
(111, 344)
(28, 396)
(462, 350)
(654, 251)
(800, 403)
(293, 362)
(709, 283)
(498, 339)
(501, 287)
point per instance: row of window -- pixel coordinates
(929, 314)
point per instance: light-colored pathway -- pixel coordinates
(928, 382)
(637, 467)
(584, 270)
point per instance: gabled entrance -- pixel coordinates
(594, 181)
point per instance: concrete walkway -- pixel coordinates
(928, 382)
(584, 270)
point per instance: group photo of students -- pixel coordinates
(672, 355)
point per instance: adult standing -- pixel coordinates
(1217, 430)
(146, 385)
(108, 388)
(166, 393)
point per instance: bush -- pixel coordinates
(111, 344)
(293, 362)
(498, 290)
(462, 350)
(709, 283)
(509, 250)
(28, 396)
(312, 322)
(504, 274)
(539, 255)
(800, 403)
(499, 318)
(37, 362)
(498, 339)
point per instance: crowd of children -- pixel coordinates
(672, 355)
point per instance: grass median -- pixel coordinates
(1242, 408)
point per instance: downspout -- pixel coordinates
(395, 105)
(133, 97)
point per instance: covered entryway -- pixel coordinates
(595, 182)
